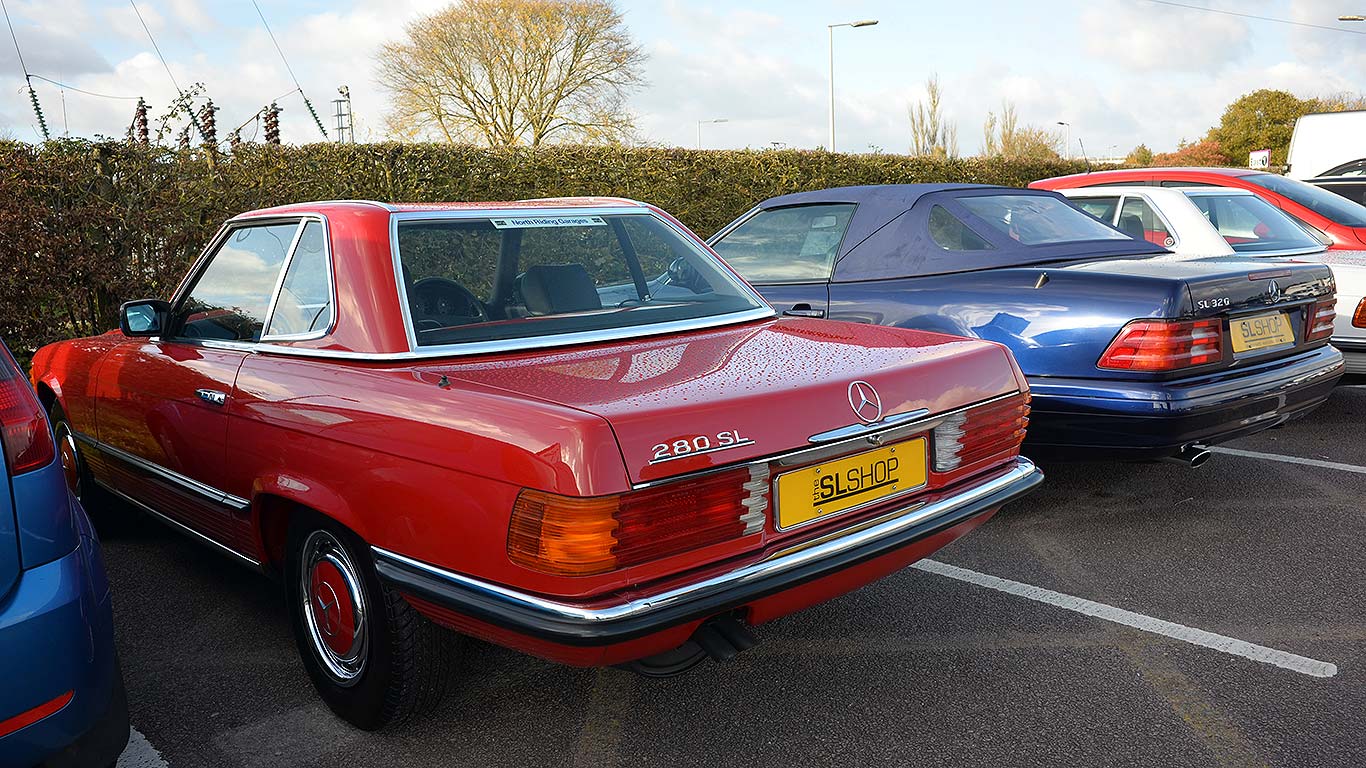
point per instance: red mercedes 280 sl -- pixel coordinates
(563, 426)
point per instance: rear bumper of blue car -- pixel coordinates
(1077, 419)
(56, 637)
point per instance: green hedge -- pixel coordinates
(85, 226)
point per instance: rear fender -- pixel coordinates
(276, 498)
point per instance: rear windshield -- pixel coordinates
(489, 279)
(1329, 205)
(1252, 225)
(1038, 220)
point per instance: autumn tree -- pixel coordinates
(1263, 119)
(513, 72)
(1206, 152)
(1003, 136)
(930, 134)
(1139, 156)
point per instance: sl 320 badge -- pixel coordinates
(696, 445)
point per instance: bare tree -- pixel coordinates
(930, 133)
(513, 72)
(1004, 137)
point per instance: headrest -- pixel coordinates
(553, 289)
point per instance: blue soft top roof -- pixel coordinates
(905, 249)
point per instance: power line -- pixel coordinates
(316, 120)
(1258, 18)
(193, 120)
(28, 79)
(79, 90)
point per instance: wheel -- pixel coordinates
(98, 503)
(375, 660)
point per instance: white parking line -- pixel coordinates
(1289, 459)
(1261, 653)
(140, 753)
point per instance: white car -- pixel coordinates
(1221, 222)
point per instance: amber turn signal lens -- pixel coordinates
(563, 535)
(1359, 317)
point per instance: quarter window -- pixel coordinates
(1138, 220)
(230, 299)
(1102, 208)
(953, 235)
(304, 305)
(787, 245)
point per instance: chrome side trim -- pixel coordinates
(185, 529)
(854, 430)
(1022, 471)
(187, 484)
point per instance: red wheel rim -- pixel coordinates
(333, 609)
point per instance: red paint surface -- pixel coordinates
(431, 468)
(333, 610)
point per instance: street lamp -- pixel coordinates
(1351, 17)
(1067, 142)
(699, 128)
(831, 29)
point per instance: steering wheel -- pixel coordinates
(684, 275)
(434, 297)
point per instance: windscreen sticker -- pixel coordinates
(528, 222)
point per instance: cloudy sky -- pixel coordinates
(1120, 71)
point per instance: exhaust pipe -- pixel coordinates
(719, 639)
(1192, 455)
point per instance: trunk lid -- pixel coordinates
(1235, 289)
(684, 403)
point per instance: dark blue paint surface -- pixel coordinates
(56, 628)
(1057, 308)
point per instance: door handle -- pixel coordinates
(803, 310)
(212, 396)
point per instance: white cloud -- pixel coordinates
(1150, 37)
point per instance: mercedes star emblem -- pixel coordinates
(865, 402)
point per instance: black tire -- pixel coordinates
(396, 664)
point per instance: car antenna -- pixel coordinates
(1083, 154)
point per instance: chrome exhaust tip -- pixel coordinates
(1193, 455)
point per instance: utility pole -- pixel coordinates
(346, 131)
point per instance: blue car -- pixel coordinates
(1128, 355)
(62, 700)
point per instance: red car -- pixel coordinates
(563, 426)
(1339, 222)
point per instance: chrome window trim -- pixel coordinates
(183, 291)
(1019, 471)
(185, 483)
(419, 352)
(331, 286)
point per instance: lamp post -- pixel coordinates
(831, 29)
(1351, 17)
(1067, 142)
(699, 128)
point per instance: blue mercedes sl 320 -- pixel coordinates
(1127, 357)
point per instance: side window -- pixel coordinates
(230, 299)
(953, 235)
(305, 302)
(787, 245)
(1180, 183)
(1138, 220)
(1102, 208)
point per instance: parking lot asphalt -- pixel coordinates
(1125, 615)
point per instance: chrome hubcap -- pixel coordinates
(71, 460)
(333, 607)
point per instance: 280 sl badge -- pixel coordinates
(695, 445)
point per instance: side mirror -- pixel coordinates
(146, 317)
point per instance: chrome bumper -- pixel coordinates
(573, 624)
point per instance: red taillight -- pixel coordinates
(23, 427)
(574, 536)
(1321, 317)
(1165, 345)
(29, 717)
(1359, 317)
(981, 432)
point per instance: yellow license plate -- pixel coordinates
(1261, 332)
(810, 493)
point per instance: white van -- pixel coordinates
(1325, 142)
